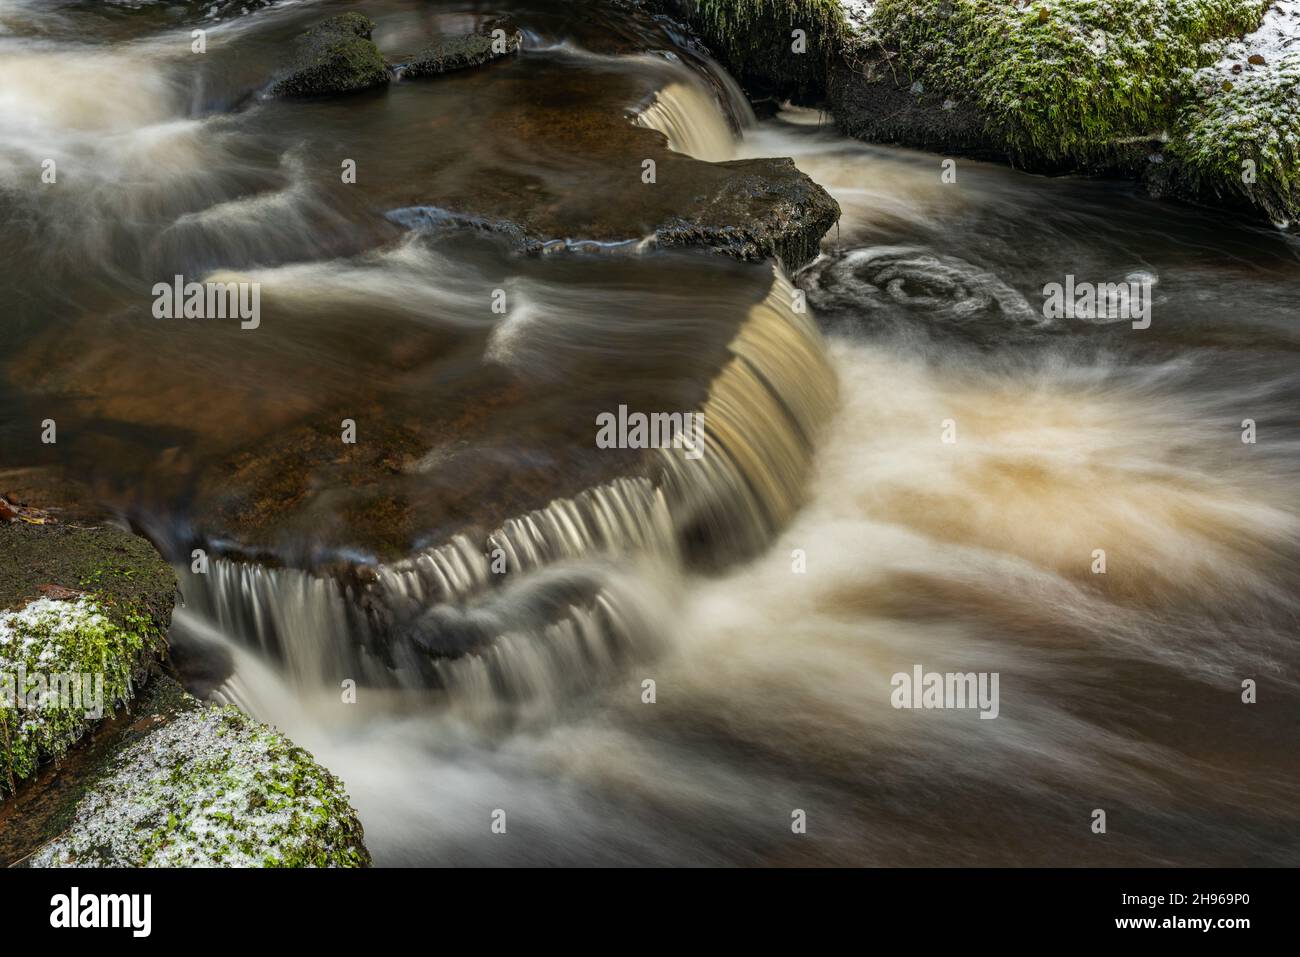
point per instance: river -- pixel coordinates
(917, 469)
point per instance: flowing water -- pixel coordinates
(500, 622)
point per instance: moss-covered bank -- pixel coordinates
(1063, 80)
(1186, 95)
(1238, 134)
(1136, 87)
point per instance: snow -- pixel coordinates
(1278, 36)
(858, 12)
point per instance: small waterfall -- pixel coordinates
(760, 424)
(542, 605)
(701, 114)
(687, 115)
(628, 516)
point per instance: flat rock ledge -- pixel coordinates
(750, 209)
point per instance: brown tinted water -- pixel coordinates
(523, 691)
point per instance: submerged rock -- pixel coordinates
(495, 40)
(335, 56)
(210, 787)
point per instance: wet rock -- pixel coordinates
(871, 101)
(497, 39)
(750, 209)
(613, 182)
(761, 208)
(335, 56)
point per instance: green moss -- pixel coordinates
(81, 601)
(754, 39)
(65, 639)
(1244, 141)
(335, 56)
(1070, 80)
(212, 788)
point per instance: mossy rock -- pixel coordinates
(496, 40)
(335, 56)
(204, 786)
(1068, 79)
(1131, 88)
(1237, 138)
(85, 615)
(755, 40)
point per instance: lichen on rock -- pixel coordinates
(211, 788)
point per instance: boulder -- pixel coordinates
(750, 209)
(201, 786)
(93, 603)
(335, 56)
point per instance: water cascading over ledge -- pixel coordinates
(544, 603)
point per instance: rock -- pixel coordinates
(495, 40)
(755, 41)
(1042, 93)
(335, 56)
(128, 769)
(871, 101)
(599, 193)
(765, 208)
(204, 786)
(750, 209)
(92, 602)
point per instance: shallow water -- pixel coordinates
(824, 453)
